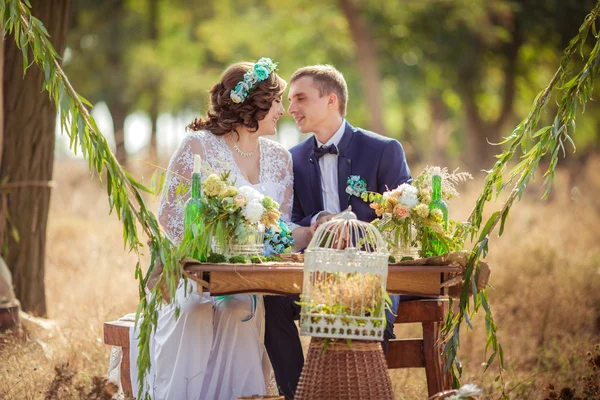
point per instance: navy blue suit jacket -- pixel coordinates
(377, 159)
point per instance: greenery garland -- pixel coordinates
(125, 193)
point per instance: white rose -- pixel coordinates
(235, 97)
(409, 196)
(251, 194)
(253, 211)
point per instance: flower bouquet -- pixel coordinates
(406, 221)
(234, 219)
(397, 223)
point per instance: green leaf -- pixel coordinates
(486, 229)
(503, 221)
(84, 101)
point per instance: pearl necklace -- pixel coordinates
(240, 151)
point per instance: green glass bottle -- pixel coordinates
(437, 247)
(193, 211)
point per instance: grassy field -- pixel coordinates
(544, 295)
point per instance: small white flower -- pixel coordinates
(252, 79)
(470, 389)
(251, 194)
(235, 97)
(437, 214)
(253, 211)
(409, 196)
(437, 228)
(422, 210)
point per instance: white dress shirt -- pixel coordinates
(328, 164)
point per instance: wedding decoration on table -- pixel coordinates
(278, 241)
(414, 217)
(345, 275)
(233, 219)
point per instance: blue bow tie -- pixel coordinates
(320, 151)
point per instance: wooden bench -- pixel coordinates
(425, 352)
(402, 353)
(116, 333)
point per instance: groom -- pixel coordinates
(322, 165)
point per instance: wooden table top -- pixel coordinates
(285, 278)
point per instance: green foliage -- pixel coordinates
(215, 258)
(238, 260)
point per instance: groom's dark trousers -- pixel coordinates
(380, 161)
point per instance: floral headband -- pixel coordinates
(261, 71)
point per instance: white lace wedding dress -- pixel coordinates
(209, 352)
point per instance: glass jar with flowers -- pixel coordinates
(234, 219)
(410, 226)
(395, 207)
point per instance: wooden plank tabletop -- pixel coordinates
(286, 278)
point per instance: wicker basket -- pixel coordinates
(343, 372)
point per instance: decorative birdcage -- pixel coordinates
(252, 245)
(345, 274)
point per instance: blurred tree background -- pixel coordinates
(444, 77)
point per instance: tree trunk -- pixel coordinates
(119, 112)
(477, 130)
(116, 104)
(1, 105)
(155, 80)
(28, 155)
(366, 56)
(408, 140)
(441, 128)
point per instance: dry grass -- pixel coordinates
(545, 278)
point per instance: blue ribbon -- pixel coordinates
(254, 301)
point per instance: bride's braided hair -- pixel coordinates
(225, 116)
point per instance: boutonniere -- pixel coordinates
(355, 186)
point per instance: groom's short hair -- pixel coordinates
(328, 80)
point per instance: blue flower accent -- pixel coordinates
(278, 242)
(261, 71)
(355, 186)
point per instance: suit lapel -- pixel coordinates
(344, 165)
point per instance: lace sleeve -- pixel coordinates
(287, 180)
(175, 194)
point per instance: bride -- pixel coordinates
(215, 349)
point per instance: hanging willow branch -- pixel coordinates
(123, 191)
(549, 140)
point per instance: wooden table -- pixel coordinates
(286, 278)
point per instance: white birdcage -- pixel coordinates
(345, 274)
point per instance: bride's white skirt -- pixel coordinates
(209, 352)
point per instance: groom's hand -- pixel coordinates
(324, 216)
